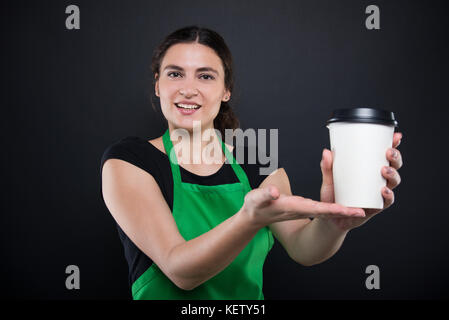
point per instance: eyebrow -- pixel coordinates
(175, 67)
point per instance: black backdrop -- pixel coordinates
(68, 94)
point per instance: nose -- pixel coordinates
(188, 90)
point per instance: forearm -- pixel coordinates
(316, 242)
(196, 261)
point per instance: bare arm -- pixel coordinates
(137, 204)
(307, 242)
(316, 243)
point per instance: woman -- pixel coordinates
(202, 230)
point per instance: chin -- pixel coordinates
(188, 124)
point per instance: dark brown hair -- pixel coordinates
(226, 117)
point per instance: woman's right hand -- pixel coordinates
(264, 206)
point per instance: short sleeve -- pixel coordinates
(127, 149)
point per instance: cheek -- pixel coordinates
(212, 95)
(167, 88)
(214, 102)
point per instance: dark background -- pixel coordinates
(68, 94)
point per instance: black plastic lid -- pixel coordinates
(366, 115)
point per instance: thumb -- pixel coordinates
(265, 194)
(273, 192)
(326, 167)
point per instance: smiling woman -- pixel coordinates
(196, 60)
(203, 230)
(180, 225)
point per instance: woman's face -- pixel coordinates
(191, 74)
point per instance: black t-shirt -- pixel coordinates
(144, 155)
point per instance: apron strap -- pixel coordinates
(169, 149)
(241, 175)
(168, 145)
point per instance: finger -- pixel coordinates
(388, 196)
(397, 137)
(392, 176)
(267, 193)
(273, 192)
(322, 209)
(394, 157)
(326, 167)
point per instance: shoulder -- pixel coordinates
(125, 143)
(158, 143)
(126, 148)
(137, 157)
(134, 150)
(258, 163)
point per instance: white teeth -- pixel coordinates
(188, 106)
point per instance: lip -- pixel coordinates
(188, 102)
(187, 112)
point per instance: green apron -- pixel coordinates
(196, 210)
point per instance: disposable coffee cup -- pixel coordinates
(359, 140)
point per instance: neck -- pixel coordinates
(196, 146)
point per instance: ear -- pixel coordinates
(226, 96)
(156, 85)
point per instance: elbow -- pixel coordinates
(306, 264)
(178, 280)
(306, 261)
(303, 262)
(182, 283)
(310, 263)
(175, 272)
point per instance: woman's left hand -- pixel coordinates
(389, 173)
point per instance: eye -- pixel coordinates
(173, 73)
(207, 75)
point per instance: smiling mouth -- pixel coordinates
(187, 106)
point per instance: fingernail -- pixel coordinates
(387, 191)
(394, 154)
(389, 170)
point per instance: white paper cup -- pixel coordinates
(359, 139)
